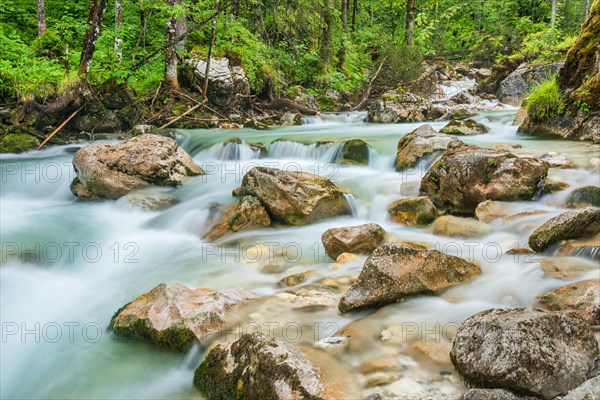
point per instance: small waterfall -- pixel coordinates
(592, 253)
(231, 151)
(352, 203)
(192, 357)
(289, 149)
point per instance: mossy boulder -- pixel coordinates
(294, 198)
(584, 197)
(354, 152)
(175, 316)
(467, 175)
(531, 352)
(466, 127)
(569, 225)
(18, 142)
(360, 239)
(258, 367)
(413, 211)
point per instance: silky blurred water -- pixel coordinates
(67, 265)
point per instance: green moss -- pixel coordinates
(18, 143)
(584, 197)
(545, 101)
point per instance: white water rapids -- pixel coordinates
(68, 266)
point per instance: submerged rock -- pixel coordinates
(175, 316)
(527, 351)
(354, 152)
(568, 225)
(360, 239)
(466, 127)
(566, 268)
(258, 367)
(452, 226)
(397, 270)
(414, 211)
(248, 214)
(294, 198)
(419, 143)
(468, 175)
(584, 197)
(582, 297)
(115, 169)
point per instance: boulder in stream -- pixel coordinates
(360, 239)
(248, 214)
(468, 175)
(582, 297)
(584, 197)
(413, 211)
(112, 170)
(397, 270)
(354, 152)
(568, 225)
(175, 316)
(528, 351)
(294, 198)
(466, 127)
(519, 83)
(258, 367)
(451, 226)
(419, 143)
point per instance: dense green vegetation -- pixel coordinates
(316, 44)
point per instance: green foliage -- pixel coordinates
(545, 101)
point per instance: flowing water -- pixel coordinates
(67, 266)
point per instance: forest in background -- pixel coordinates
(320, 45)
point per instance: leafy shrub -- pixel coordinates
(545, 101)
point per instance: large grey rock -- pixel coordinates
(489, 394)
(419, 143)
(227, 84)
(468, 175)
(258, 367)
(519, 83)
(294, 198)
(115, 169)
(360, 239)
(568, 225)
(527, 351)
(175, 316)
(397, 270)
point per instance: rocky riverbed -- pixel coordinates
(336, 259)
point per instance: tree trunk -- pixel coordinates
(118, 24)
(345, 14)
(97, 10)
(209, 56)
(41, 17)
(553, 17)
(354, 11)
(325, 47)
(175, 27)
(410, 21)
(587, 9)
